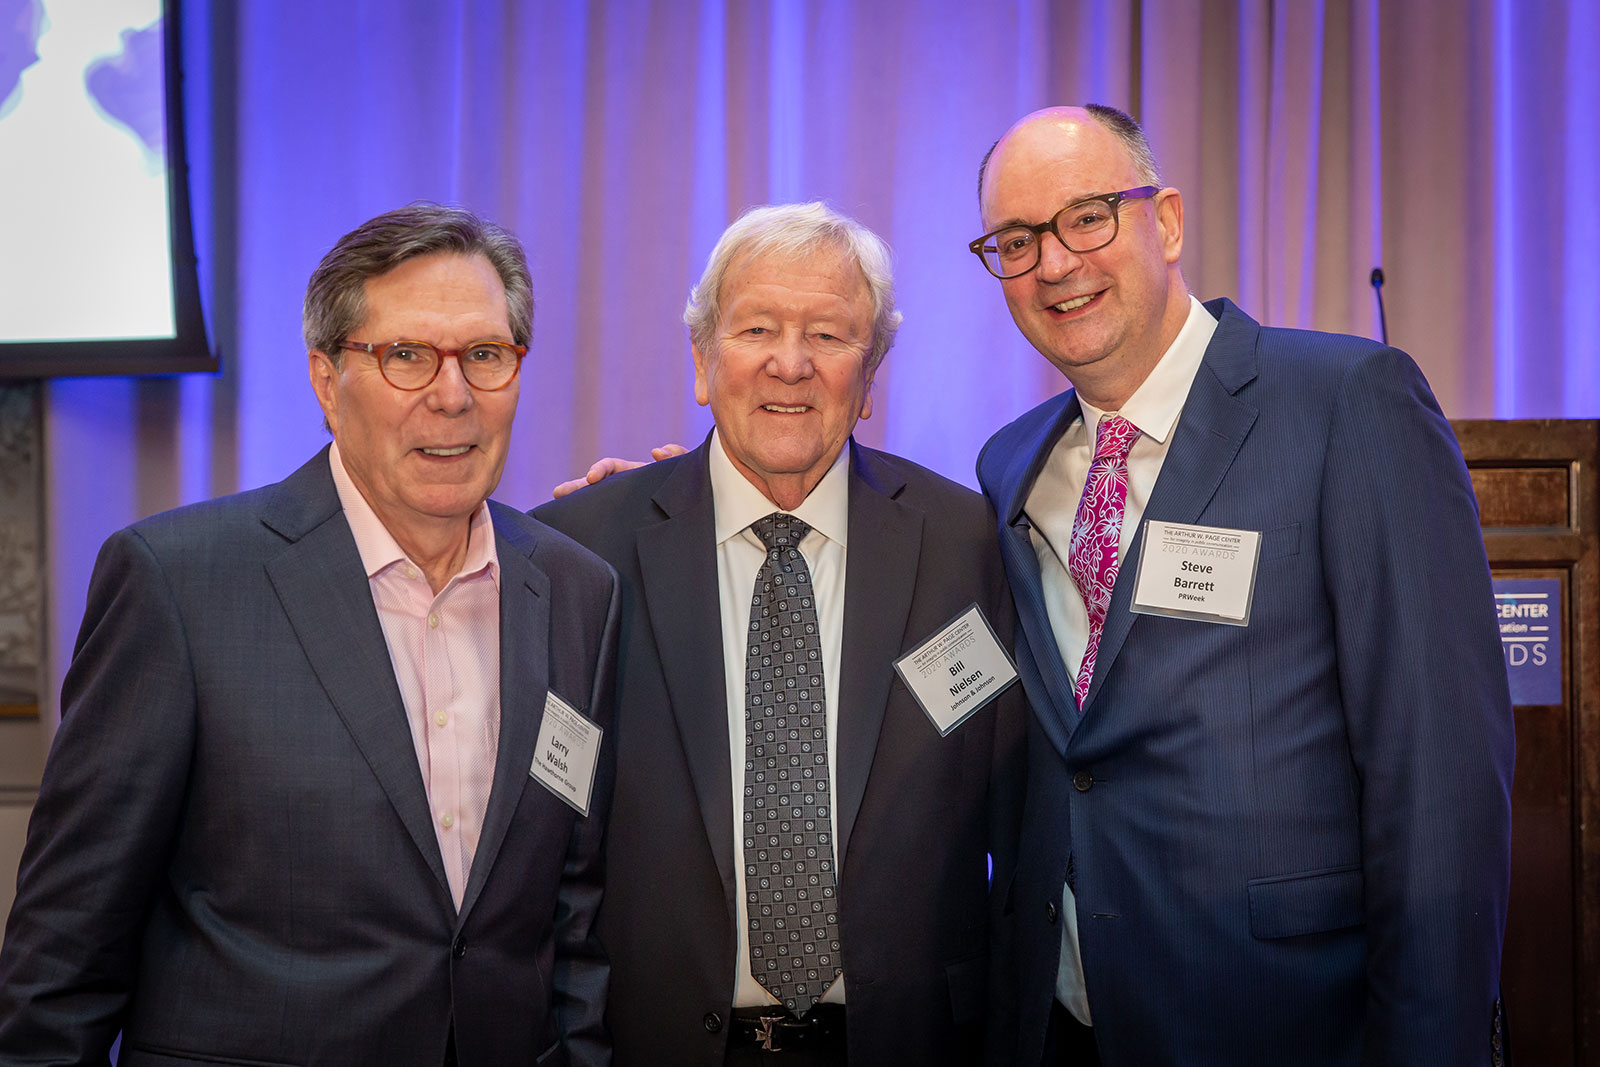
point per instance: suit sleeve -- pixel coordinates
(1424, 691)
(108, 810)
(582, 972)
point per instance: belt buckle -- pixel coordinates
(769, 1035)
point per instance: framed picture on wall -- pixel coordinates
(99, 273)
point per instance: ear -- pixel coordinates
(325, 382)
(702, 377)
(1169, 220)
(866, 401)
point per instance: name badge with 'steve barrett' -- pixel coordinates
(1205, 573)
(957, 671)
(567, 749)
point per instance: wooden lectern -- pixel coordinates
(1540, 509)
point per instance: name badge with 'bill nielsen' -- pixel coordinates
(957, 671)
(1205, 573)
(565, 756)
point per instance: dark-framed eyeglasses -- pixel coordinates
(488, 366)
(1082, 226)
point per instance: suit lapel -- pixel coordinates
(1209, 434)
(880, 578)
(524, 683)
(678, 568)
(323, 588)
(1059, 719)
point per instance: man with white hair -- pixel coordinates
(771, 578)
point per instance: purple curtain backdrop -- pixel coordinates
(1454, 142)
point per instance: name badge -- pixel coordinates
(568, 747)
(1205, 573)
(957, 671)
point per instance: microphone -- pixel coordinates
(1377, 288)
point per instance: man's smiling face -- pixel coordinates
(431, 455)
(787, 374)
(1082, 309)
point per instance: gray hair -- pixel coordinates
(336, 295)
(1133, 139)
(793, 230)
(1123, 128)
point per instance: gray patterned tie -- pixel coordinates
(788, 837)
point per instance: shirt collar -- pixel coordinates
(377, 546)
(737, 503)
(1155, 406)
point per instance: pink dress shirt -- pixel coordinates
(446, 655)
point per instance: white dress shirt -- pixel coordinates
(740, 553)
(1052, 506)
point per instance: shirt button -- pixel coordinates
(447, 820)
(441, 718)
(433, 620)
(411, 572)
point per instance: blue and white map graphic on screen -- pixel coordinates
(83, 172)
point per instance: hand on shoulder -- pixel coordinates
(604, 468)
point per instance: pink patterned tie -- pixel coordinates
(1097, 533)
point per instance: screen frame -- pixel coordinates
(189, 350)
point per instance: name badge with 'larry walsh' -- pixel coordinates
(1205, 573)
(957, 671)
(566, 752)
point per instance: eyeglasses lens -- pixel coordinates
(413, 364)
(1083, 227)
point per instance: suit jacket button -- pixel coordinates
(1082, 781)
(459, 949)
(713, 1022)
(1050, 912)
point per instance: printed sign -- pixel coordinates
(1529, 613)
(1205, 573)
(567, 749)
(957, 670)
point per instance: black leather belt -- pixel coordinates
(774, 1030)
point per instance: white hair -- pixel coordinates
(789, 231)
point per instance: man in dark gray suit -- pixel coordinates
(745, 911)
(288, 817)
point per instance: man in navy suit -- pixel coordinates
(288, 817)
(1268, 819)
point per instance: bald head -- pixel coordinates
(1119, 124)
(1103, 317)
